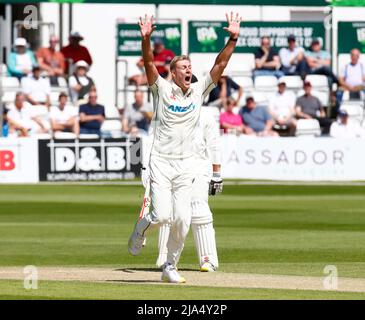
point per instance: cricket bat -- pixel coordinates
(145, 209)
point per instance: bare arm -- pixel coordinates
(147, 27)
(56, 126)
(39, 122)
(223, 57)
(300, 114)
(239, 96)
(275, 63)
(269, 124)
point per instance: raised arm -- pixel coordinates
(223, 57)
(147, 28)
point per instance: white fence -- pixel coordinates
(292, 159)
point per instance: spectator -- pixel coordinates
(319, 61)
(310, 107)
(64, 117)
(223, 91)
(161, 58)
(76, 52)
(80, 83)
(342, 128)
(92, 115)
(351, 78)
(21, 121)
(5, 128)
(137, 116)
(282, 108)
(22, 60)
(231, 122)
(267, 61)
(37, 89)
(257, 118)
(52, 61)
(292, 58)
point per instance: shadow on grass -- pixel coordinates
(132, 270)
(135, 281)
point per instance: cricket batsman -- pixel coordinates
(207, 161)
(177, 107)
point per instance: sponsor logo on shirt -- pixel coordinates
(180, 109)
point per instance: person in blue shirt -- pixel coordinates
(22, 60)
(92, 115)
(257, 118)
(319, 61)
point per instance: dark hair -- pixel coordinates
(62, 94)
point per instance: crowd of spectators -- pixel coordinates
(79, 112)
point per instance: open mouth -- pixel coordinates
(187, 78)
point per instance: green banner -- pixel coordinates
(348, 3)
(209, 36)
(351, 35)
(129, 38)
(312, 3)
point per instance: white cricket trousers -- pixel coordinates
(201, 224)
(171, 191)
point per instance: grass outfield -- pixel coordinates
(284, 230)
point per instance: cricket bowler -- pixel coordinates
(177, 107)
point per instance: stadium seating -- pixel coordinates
(9, 83)
(8, 97)
(308, 127)
(64, 135)
(346, 96)
(3, 70)
(241, 64)
(88, 136)
(260, 98)
(293, 83)
(318, 82)
(245, 82)
(112, 128)
(266, 83)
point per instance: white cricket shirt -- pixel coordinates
(207, 143)
(176, 116)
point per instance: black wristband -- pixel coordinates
(233, 39)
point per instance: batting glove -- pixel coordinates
(216, 184)
(145, 176)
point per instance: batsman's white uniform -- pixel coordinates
(171, 164)
(207, 152)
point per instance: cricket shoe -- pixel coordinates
(207, 267)
(170, 274)
(136, 242)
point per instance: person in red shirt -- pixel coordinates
(51, 61)
(75, 51)
(161, 58)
